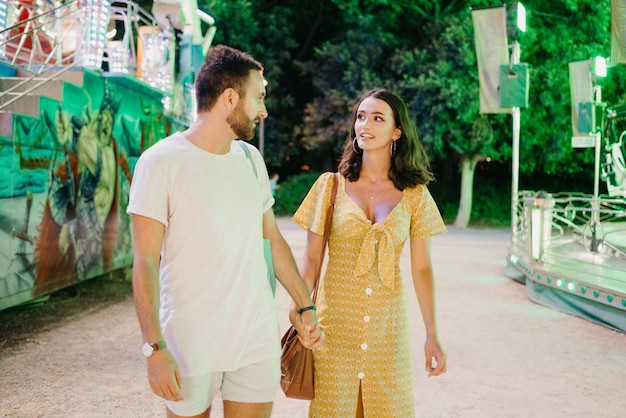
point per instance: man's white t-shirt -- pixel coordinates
(217, 309)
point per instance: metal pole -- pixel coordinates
(262, 135)
(596, 179)
(515, 113)
(598, 144)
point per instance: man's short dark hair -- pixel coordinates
(224, 67)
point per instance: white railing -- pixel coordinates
(36, 42)
(36, 37)
(551, 220)
(47, 39)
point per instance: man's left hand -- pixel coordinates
(309, 330)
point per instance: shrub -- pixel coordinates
(292, 192)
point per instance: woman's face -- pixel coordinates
(374, 125)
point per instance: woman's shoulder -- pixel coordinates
(416, 191)
(418, 196)
(325, 180)
(327, 176)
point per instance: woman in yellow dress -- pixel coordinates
(364, 368)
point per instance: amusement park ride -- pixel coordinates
(85, 87)
(570, 248)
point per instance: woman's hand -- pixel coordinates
(309, 330)
(435, 357)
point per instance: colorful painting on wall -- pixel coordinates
(64, 183)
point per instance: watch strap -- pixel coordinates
(159, 345)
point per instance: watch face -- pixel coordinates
(147, 349)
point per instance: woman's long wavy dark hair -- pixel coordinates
(409, 164)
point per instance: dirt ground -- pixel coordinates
(78, 354)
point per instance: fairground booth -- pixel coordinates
(85, 87)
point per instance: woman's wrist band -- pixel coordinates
(307, 308)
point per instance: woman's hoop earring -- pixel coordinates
(354, 146)
(392, 148)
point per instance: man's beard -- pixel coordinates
(240, 123)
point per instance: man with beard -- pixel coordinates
(199, 216)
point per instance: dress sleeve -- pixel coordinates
(311, 215)
(426, 221)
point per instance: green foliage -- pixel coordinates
(340, 73)
(230, 17)
(491, 204)
(491, 200)
(292, 192)
(444, 77)
(559, 33)
(321, 56)
(279, 35)
(401, 15)
(448, 206)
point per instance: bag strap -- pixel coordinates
(329, 221)
(249, 157)
(329, 217)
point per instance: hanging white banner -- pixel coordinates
(581, 97)
(492, 51)
(618, 32)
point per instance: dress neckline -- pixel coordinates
(361, 211)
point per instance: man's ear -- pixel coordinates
(230, 98)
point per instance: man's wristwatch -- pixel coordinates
(148, 349)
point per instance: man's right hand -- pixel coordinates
(164, 375)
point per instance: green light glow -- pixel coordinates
(521, 17)
(583, 290)
(599, 66)
(609, 298)
(596, 293)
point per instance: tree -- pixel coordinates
(433, 79)
(280, 35)
(444, 95)
(340, 73)
(424, 51)
(559, 32)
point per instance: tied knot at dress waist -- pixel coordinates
(378, 239)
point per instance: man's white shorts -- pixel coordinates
(255, 383)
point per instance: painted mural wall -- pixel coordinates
(64, 183)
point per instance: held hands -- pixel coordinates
(435, 357)
(164, 375)
(309, 330)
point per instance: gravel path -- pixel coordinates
(507, 357)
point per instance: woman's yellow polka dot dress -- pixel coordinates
(362, 302)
